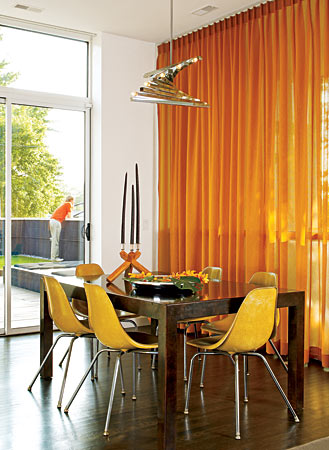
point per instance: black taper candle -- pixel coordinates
(132, 229)
(137, 207)
(123, 220)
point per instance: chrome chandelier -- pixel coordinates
(160, 87)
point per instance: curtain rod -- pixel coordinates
(220, 19)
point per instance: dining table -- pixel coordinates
(168, 306)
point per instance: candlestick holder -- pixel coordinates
(130, 259)
(130, 262)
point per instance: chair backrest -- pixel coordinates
(264, 279)
(214, 273)
(253, 323)
(267, 279)
(60, 309)
(92, 269)
(104, 320)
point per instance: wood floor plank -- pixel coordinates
(32, 420)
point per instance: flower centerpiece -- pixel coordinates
(189, 279)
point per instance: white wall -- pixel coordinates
(123, 133)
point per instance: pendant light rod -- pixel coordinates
(171, 28)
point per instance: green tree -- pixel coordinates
(36, 173)
(6, 77)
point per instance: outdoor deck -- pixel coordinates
(25, 303)
(25, 307)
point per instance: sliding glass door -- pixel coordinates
(2, 211)
(44, 165)
(47, 169)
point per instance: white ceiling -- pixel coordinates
(147, 20)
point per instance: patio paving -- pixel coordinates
(25, 307)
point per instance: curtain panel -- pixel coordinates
(244, 185)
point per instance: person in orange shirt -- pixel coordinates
(55, 226)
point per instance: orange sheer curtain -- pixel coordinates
(244, 185)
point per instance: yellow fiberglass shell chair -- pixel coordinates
(259, 279)
(109, 331)
(252, 327)
(214, 274)
(80, 307)
(64, 318)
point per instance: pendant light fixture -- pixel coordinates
(160, 87)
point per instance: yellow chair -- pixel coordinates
(214, 274)
(259, 279)
(252, 326)
(91, 271)
(80, 307)
(66, 321)
(109, 331)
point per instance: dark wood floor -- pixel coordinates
(31, 420)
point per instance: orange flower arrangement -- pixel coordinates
(203, 277)
(188, 279)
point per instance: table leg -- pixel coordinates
(296, 354)
(167, 380)
(46, 333)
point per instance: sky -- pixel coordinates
(56, 65)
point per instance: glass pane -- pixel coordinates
(2, 209)
(41, 62)
(47, 167)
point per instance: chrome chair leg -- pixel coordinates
(97, 349)
(153, 365)
(185, 355)
(92, 377)
(46, 357)
(66, 409)
(204, 365)
(237, 406)
(278, 355)
(64, 356)
(123, 392)
(203, 369)
(59, 404)
(245, 378)
(291, 409)
(187, 400)
(134, 377)
(202, 373)
(196, 337)
(154, 355)
(115, 376)
(139, 367)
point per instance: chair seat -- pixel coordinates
(205, 341)
(125, 314)
(196, 319)
(80, 307)
(143, 338)
(85, 323)
(219, 325)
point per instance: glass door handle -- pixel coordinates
(85, 232)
